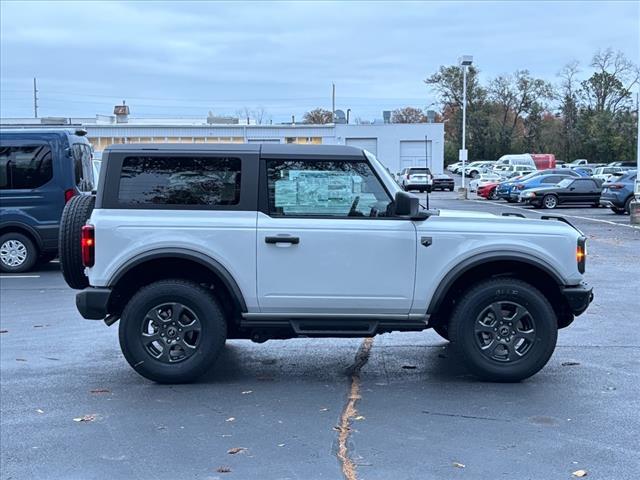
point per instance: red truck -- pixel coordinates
(544, 160)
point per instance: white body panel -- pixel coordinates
(228, 237)
(359, 266)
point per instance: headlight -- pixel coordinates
(528, 194)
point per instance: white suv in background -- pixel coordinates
(190, 245)
(416, 178)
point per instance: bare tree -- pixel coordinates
(318, 116)
(609, 88)
(408, 115)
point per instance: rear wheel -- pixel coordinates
(493, 195)
(17, 253)
(504, 330)
(172, 331)
(550, 202)
(75, 214)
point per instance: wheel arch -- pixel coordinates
(161, 264)
(24, 229)
(526, 267)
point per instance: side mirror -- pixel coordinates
(406, 205)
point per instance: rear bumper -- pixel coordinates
(93, 302)
(578, 297)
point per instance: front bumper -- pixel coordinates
(93, 302)
(578, 297)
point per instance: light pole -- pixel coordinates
(465, 61)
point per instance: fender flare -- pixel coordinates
(186, 254)
(476, 260)
(14, 225)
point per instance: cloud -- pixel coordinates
(213, 55)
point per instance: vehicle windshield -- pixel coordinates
(384, 174)
(565, 183)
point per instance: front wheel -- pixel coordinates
(493, 195)
(550, 202)
(17, 253)
(172, 331)
(504, 330)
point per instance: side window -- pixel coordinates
(583, 185)
(82, 168)
(207, 181)
(25, 167)
(552, 179)
(325, 188)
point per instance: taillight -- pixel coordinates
(88, 244)
(581, 254)
(615, 186)
(69, 194)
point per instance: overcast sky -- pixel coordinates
(183, 59)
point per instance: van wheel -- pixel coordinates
(550, 201)
(172, 331)
(504, 330)
(17, 253)
(74, 216)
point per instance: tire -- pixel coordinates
(18, 253)
(75, 214)
(451, 189)
(201, 351)
(619, 211)
(442, 330)
(549, 202)
(627, 205)
(470, 330)
(493, 195)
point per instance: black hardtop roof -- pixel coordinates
(266, 150)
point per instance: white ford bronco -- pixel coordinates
(189, 245)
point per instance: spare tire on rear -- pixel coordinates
(74, 217)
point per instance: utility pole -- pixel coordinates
(35, 98)
(333, 103)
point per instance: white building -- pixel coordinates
(397, 145)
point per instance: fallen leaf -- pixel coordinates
(85, 418)
(247, 392)
(21, 359)
(4, 331)
(579, 473)
(570, 364)
(230, 419)
(324, 409)
(223, 470)
(281, 444)
(359, 417)
(234, 450)
(409, 367)
(459, 465)
(39, 410)
(100, 390)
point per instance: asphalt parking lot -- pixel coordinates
(71, 408)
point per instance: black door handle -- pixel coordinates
(282, 239)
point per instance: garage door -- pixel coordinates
(369, 144)
(415, 153)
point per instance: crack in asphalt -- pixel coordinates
(349, 411)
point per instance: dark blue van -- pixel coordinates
(40, 170)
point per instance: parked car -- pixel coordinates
(579, 161)
(511, 160)
(503, 189)
(416, 178)
(476, 168)
(442, 181)
(583, 171)
(454, 167)
(606, 173)
(568, 191)
(488, 191)
(290, 260)
(40, 171)
(515, 171)
(632, 165)
(617, 195)
(483, 179)
(534, 182)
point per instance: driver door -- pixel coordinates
(327, 244)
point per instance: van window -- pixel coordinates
(180, 181)
(82, 168)
(25, 167)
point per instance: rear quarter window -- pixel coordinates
(180, 180)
